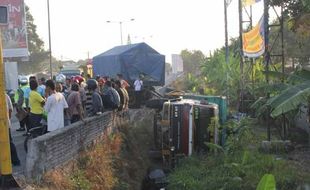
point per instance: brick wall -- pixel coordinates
(57, 147)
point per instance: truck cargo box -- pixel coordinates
(132, 61)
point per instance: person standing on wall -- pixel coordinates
(138, 84)
(55, 107)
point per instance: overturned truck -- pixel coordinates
(186, 124)
(133, 61)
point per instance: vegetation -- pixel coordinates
(38, 56)
(298, 11)
(118, 161)
(240, 165)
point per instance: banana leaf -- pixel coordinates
(277, 87)
(300, 76)
(276, 74)
(258, 103)
(290, 99)
(267, 182)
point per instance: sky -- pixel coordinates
(80, 27)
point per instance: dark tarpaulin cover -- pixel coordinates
(131, 61)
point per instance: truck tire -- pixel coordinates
(155, 103)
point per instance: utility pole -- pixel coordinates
(121, 26)
(241, 54)
(49, 37)
(226, 45)
(267, 58)
(226, 33)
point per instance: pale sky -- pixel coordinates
(169, 26)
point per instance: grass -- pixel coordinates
(93, 169)
(240, 166)
(117, 162)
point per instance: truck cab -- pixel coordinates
(183, 126)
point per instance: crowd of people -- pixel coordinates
(63, 101)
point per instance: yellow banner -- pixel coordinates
(249, 2)
(254, 41)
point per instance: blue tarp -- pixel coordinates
(131, 61)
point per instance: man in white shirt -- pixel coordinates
(55, 107)
(138, 89)
(14, 156)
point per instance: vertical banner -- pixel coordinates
(254, 41)
(249, 2)
(14, 33)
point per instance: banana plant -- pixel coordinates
(267, 182)
(288, 96)
(290, 99)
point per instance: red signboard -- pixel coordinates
(14, 33)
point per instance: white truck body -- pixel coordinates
(11, 75)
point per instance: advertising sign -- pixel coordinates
(14, 33)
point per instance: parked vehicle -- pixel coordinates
(70, 71)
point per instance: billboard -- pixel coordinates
(14, 33)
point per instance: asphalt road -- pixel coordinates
(18, 140)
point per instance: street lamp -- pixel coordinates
(143, 38)
(120, 26)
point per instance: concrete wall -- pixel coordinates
(57, 147)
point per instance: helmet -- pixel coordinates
(23, 80)
(60, 78)
(92, 84)
(78, 79)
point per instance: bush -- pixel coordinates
(240, 166)
(80, 181)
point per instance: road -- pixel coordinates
(18, 140)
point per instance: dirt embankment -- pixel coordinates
(119, 161)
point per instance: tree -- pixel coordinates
(35, 46)
(192, 60)
(298, 11)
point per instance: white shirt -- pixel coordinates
(54, 106)
(138, 84)
(9, 106)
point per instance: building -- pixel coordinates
(177, 63)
